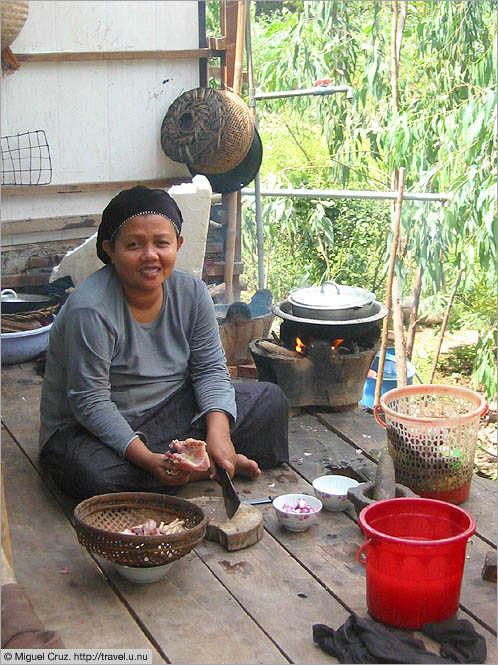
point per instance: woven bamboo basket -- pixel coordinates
(234, 142)
(210, 130)
(432, 437)
(14, 15)
(100, 520)
(27, 320)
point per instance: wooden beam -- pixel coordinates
(74, 56)
(22, 279)
(215, 269)
(217, 43)
(75, 188)
(35, 225)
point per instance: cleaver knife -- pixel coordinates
(230, 498)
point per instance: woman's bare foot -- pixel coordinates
(246, 467)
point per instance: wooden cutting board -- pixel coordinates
(243, 530)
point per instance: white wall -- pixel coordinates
(102, 118)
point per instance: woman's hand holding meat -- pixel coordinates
(156, 463)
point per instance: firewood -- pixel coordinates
(216, 289)
(276, 348)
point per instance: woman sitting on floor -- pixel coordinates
(135, 361)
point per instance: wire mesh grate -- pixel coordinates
(26, 159)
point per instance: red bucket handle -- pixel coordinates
(377, 407)
(485, 410)
(360, 552)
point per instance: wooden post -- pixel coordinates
(230, 203)
(239, 47)
(232, 198)
(399, 336)
(390, 275)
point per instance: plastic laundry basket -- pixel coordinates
(432, 436)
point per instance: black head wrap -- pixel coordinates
(130, 203)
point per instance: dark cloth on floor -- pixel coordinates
(82, 466)
(361, 640)
(458, 640)
(21, 627)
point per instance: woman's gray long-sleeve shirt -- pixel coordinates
(105, 369)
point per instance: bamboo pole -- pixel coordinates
(444, 324)
(390, 275)
(231, 199)
(392, 295)
(399, 336)
(395, 40)
(412, 326)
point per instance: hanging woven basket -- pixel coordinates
(14, 15)
(210, 130)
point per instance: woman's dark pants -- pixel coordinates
(83, 466)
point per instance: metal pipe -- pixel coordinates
(347, 194)
(319, 90)
(259, 233)
(203, 62)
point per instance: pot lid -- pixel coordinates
(331, 295)
(9, 295)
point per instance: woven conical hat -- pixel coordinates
(210, 130)
(14, 15)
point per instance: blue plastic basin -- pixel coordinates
(389, 379)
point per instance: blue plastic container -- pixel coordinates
(389, 380)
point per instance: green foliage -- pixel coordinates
(442, 132)
(309, 241)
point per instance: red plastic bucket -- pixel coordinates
(414, 555)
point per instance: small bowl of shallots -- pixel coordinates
(297, 512)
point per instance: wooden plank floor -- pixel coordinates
(256, 605)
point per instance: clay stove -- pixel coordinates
(319, 363)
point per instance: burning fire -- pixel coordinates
(336, 344)
(300, 345)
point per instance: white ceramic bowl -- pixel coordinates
(25, 345)
(143, 575)
(333, 491)
(296, 521)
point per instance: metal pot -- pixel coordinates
(12, 303)
(353, 329)
(333, 302)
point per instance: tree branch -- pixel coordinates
(444, 324)
(412, 326)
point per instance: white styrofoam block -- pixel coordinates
(79, 262)
(194, 201)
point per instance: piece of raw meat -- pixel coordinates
(189, 455)
(149, 528)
